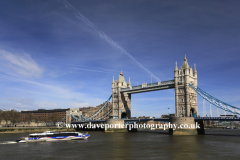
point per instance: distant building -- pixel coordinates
(56, 115)
(143, 117)
(228, 116)
(168, 115)
(43, 115)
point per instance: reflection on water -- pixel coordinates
(216, 144)
(185, 147)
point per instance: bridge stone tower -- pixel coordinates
(121, 101)
(73, 111)
(185, 97)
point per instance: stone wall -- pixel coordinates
(22, 124)
(188, 121)
(4, 123)
(116, 122)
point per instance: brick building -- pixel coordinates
(44, 115)
(56, 115)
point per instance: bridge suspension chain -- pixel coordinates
(100, 109)
(85, 118)
(75, 117)
(97, 113)
(63, 119)
(218, 103)
(106, 114)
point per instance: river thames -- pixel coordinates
(216, 144)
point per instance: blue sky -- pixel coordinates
(60, 54)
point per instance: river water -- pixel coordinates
(216, 144)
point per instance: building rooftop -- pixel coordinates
(46, 111)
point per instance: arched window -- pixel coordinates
(124, 115)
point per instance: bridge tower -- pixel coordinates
(73, 111)
(185, 97)
(121, 101)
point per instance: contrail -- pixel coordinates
(105, 37)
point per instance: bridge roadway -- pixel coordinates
(161, 119)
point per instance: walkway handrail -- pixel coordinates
(149, 85)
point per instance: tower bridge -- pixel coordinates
(185, 96)
(185, 84)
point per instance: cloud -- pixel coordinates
(105, 37)
(46, 105)
(78, 105)
(21, 64)
(17, 103)
(43, 95)
(31, 104)
(23, 100)
(43, 88)
(26, 104)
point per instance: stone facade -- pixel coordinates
(89, 111)
(30, 124)
(121, 101)
(185, 97)
(184, 121)
(73, 111)
(8, 123)
(117, 125)
(4, 123)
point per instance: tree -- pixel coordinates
(52, 117)
(13, 115)
(29, 117)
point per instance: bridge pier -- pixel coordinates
(115, 125)
(185, 126)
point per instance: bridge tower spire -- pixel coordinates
(185, 97)
(176, 68)
(121, 101)
(129, 83)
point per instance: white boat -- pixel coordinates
(53, 136)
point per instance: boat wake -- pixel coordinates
(7, 142)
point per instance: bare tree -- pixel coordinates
(13, 116)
